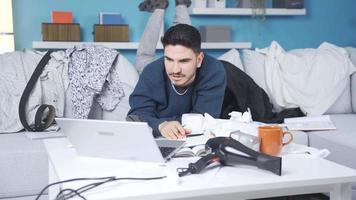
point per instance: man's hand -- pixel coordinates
(173, 130)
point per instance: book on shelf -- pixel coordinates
(309, 123)
(110, 18)
(62, 17)
(198, 150)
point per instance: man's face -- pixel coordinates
(181, 64)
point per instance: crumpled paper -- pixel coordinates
(238, 122)
(241, 117)
(294, 148)
(243, 122)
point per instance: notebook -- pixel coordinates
(309, 123)
(117, 140)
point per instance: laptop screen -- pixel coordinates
(111, 139)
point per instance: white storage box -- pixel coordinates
(199, 3)
(216, 3)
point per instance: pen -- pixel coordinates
(193, 135)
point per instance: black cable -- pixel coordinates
(61, 196)
(93, 185)
(110, 180)
(90, 186)
(69, 180)
(77, 192)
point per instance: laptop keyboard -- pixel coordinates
(165, 151)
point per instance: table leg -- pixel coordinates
(341, 191)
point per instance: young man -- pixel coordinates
(184, 81)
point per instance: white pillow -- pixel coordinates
(343, 102)
(254, 63)
(127, 72)
(352, 53)
(233, 57)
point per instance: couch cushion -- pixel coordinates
(343, 104)
(23, 166)
(352, 52)
(353, 92)
(254, 67)
(254, 64)
(340, 142)
(233, 57)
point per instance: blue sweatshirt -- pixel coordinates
(155, 101)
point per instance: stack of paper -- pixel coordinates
(309, 123)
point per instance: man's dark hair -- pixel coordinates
(182, 34)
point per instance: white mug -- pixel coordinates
(193, 122)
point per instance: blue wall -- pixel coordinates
(326, 20)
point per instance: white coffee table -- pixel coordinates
(300, 175)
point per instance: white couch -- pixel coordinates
(24, 164)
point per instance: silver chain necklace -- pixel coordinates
(180, 94)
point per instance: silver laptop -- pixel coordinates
(117, 140)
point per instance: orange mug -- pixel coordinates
(272, 139)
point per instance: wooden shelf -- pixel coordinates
(134, 45)
(245, 11)
(66, 45)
